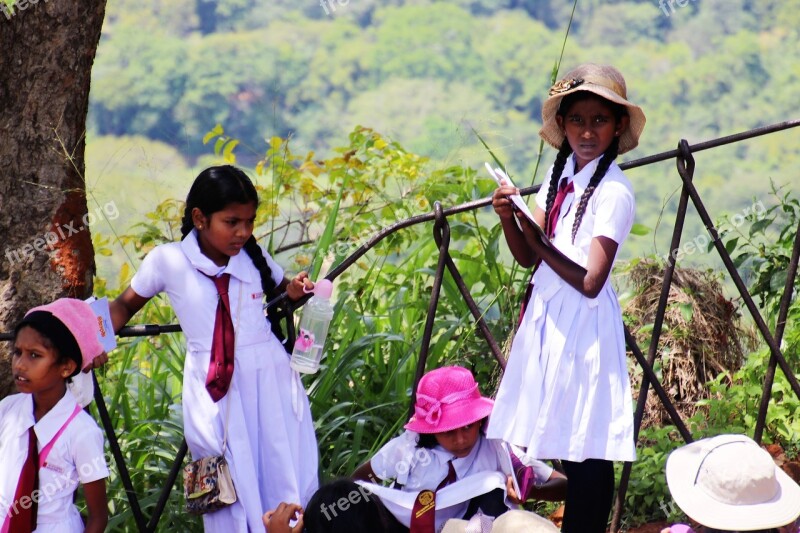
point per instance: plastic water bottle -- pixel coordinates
(313, 328)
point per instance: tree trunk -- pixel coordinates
(47, 48)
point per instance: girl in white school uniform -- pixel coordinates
(48, 444)
(444, 443)
(271, 447)
(565, 393)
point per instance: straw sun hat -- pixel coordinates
(728, 482)
(602, 80)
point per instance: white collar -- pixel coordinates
(581, 179)
(47, 427)
(237, 266)
(461, 465)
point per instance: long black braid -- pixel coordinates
(555, 176)
(602, 167)
(213, 190)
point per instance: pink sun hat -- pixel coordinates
(448, 398)
(81, 325)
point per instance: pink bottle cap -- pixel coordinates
(322, 288)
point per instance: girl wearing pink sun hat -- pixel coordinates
(443, 466)
(48, 444)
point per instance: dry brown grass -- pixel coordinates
(702, 335)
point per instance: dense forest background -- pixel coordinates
(425, 73)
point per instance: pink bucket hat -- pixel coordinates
(448, 398)
(81, 325)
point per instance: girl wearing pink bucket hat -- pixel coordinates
(48, 444)
(565, 393)
(443, 464)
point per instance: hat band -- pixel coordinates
(608, 83)
(756, 498)
(430, 408)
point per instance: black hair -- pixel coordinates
(608, 157)
(428, 440)
(55, 336)
(344, 506)
(214, 189)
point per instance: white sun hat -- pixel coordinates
(728, 482)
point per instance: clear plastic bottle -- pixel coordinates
(313, 329)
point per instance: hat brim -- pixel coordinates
(454, 417)
(681, 470)
(554, 136)
(516, 520)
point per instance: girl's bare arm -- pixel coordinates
(588, 281)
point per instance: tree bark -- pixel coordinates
(47, 48)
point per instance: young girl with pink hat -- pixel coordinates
(443, 463)
(565, 393)
(48, 444)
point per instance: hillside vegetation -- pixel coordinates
(425, 74)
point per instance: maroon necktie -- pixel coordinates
(220, 367)
(24, 519)
(423, 514)
(564, 189)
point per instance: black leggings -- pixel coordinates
(590, 492)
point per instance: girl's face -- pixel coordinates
(590, 126)
(460, 441)
(35, 365)
(223, 234)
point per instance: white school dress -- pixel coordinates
(76, 457)
(565, 393)
(272, 450)
(418, 469)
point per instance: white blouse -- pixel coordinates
(76, 457)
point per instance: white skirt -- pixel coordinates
(565, 393)
(272, 449)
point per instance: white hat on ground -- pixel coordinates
(514, 521)
(728, 482)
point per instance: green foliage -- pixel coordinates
(761, 248)
(427, 73)
(648, 496)
(763, 251)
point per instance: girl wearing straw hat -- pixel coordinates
(566, 393)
